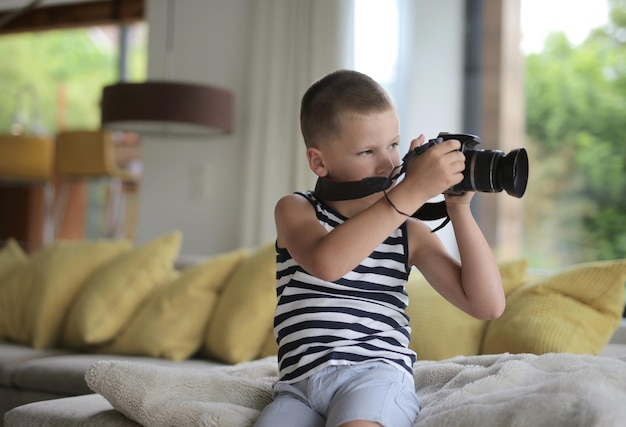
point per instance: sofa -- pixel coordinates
(77, 314)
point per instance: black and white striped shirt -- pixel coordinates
(358, 318)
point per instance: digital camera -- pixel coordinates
(488, 171)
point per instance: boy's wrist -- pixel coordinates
(405, 198)
(456, 209)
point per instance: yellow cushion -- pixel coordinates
(575, 311)
(513, 274)
(173, 321)
(270, 346)
(34, 299)
(245, 311)
(111, 296)
(11, 256)
(439, 329)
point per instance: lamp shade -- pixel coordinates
(167, 107)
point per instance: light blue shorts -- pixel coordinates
(374, 391)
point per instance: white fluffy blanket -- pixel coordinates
(493, 390)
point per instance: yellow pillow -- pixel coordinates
(245, 311)
(35, 298)
(111, 296)
(439, 329)
(172, 323)
(270, 346)
(513, 274)
(574, 311)
(11, 256)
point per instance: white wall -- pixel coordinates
(190, 183)
(194, 184)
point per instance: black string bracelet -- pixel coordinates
(394, 206)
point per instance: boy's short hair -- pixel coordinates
(340, 93)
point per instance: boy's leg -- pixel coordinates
(378, 393)
(288, 409)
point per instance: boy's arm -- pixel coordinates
(330, 255)
(474, 285)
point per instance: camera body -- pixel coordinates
(489, 171)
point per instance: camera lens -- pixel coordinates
(492, 171)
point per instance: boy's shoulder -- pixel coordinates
(297, 197)
(297, 200)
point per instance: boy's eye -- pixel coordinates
(394, 146)
(365, 153)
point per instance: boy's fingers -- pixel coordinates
(418, 142)
(453, 144)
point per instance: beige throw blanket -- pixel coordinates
(493, 390)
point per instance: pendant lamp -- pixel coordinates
(167, 106)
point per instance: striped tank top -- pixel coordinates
(358, 318)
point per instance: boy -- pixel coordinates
(342, 265)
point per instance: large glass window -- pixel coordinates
(376, 52)
(53, 80)
(576, 125)
(575, 71)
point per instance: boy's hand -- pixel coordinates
(462, 199)
(436, 169)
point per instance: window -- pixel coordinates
(380, 34)
(54, 78)
(53, 81)
(576, 210)
(574, 205)
(376, 52)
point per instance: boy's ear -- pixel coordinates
(316, 161)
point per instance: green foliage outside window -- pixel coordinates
(576, 130)
(60, 74)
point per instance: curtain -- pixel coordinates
(293, 44)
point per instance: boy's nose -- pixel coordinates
(385, 166)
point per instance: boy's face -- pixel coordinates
(367, 146)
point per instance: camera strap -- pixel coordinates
(330, 190)
(433, 211)
(333, 191)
